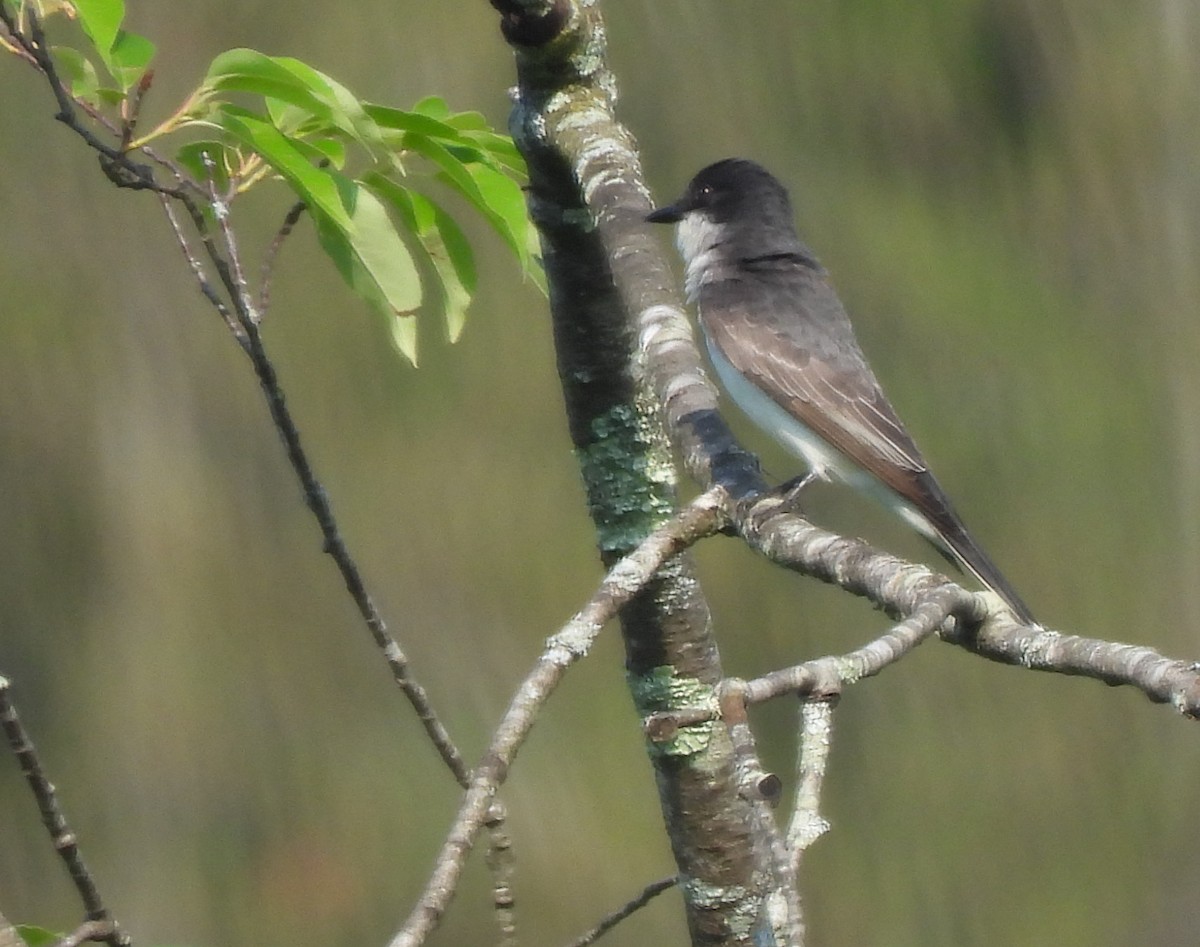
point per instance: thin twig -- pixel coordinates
(816, 739)
(126, 173)
(700, 518)
(61, 835)
(117, 163)
(14, 46)
(240, 289)
(821, 678)
(825, 677)
(113, 159)
(607, 923)
(500, 864)
(131, 109)
(88, 930)
(318, 503)
(268, 266)
(317, 500)
(197, 269)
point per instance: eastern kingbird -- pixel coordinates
(783, 348)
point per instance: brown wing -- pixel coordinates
(794, 342)
(792, 339)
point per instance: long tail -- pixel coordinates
(963, 551)
(930, 511)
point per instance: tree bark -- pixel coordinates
(606, 276)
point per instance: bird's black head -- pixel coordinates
(731, 191)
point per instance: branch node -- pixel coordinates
(522, 25)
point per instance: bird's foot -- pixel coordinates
(789, 492)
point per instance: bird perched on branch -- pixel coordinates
(784, 350)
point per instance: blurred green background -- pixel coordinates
(1006, 192)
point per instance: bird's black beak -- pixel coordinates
(671, 214)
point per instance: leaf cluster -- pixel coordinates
(353, 163)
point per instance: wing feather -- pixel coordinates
(796, 345)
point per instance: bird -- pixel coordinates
(784, 350)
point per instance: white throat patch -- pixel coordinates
(699, 240)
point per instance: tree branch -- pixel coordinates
(604, 269)
(101, 925)
(635, 904)
(975, 621)
(816, 740)
(242, 318)
(572, 642)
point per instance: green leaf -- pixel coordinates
(295, 83)
(500, 148)
(331, 150)
(347, 110)
(295, 94)
(375, 263)
(293, 119)
(434, 106)
(353, 226)
(37, 936)
(504, 205)
(400, 120)
(110, 96)
(79, 72)
(444, 243)
(318, 187)
(247, 70)
(468, 121)
(101, 20)
(458, 175)
(403, 327)
(322, 151)
(495, 195)
(465, 134)
(129, 58)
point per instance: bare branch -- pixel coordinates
(783, 909)
(132, 108)
(500, 864)
(816, 739)
(197, 268)
(241, 318)
(238, 287)
(824, 678)
(88, 930)
(754, 781)
(1164, 680)
(318, 503)
(700, 518)
(818, 679)
(268, 267)
(61, 835)
(975, 621)
(607, 923)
